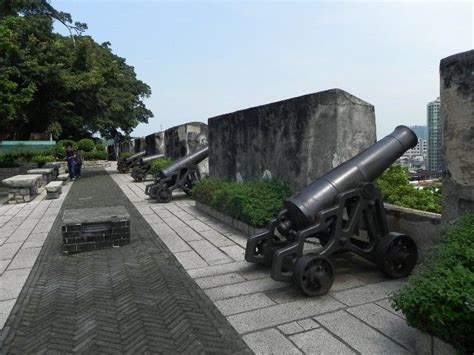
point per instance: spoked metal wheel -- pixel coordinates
(396, 255)
(314, 275)
(163, 195)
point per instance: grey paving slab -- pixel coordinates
(2, 240)
(358, 335)
(174, 243)
(207, 251)
(308, 324)
(190, 259)
(5, 232)
(8, 250)
(236, 252)
(243, 303)
(368, 293)
(243, 288)
(220, 280)
(25, 258)
(283, 313)
(388, 323)
(3, 265)
(153, 218)
(162, 228)
(216, 238)
(198, 226)
(188, 234)
(239, 239)
(5, 308)
(290, 328)
(20, 235)
(219, 270)
(11, 283)
(320, 341)
(387, 304)
(174, 222)
(270, 341)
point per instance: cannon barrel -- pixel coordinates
(151, 158)
(135, 156)
(303, 207)
(192, 158)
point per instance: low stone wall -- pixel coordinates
(423, 227)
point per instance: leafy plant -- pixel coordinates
(255, 202)
(158, 164)
(439, 299)
(99, 146)
(95, 155)
(125, 155)
(67, 143)
(397, 190)
(87, 145)
(43, 159)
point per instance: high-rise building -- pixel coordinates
(420, 131)
(435, 134)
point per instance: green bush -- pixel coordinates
(43, 159)
(158, 164)
(59, 151)
(8, 161)
(100, 146)
(439, 299)
(397, 190)
(125, 155)
(254, 202)
(67, 142)
(95, 155)
(87, 145)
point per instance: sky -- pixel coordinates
(202, 59)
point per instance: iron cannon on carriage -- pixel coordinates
(143, 166)
(125, 164)
(340, 211)
(182, 174)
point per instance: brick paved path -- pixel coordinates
(133, 299)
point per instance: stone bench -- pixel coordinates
(47, 174)
(55, 167)
(95, 228)
(22, 188)
(54, 189)
(63, 178)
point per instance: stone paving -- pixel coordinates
(274, 317)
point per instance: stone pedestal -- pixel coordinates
(22, 188)
(47, 174)
(55, 167)
(457, 114)
(297, 140)
(95, 228)
(54, 189)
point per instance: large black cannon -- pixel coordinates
(143, 166)
(341, 211)
(124, 164)
(182, 174)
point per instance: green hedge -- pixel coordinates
(158, 164)
(125, 155)
(95, 155)
(439, 299)
(87, 145)
(254, 202)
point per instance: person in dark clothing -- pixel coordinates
(79, 161)
(71, 162)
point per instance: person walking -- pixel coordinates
(71, 162)
(79, 162)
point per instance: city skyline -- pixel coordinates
(206, 59)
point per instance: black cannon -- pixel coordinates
(182, 174)
(124, 164)
(143, 166)
(341, 211)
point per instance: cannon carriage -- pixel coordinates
(341, 211)
(125, 164)
(143, 166)
(182, 174)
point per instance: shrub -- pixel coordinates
(255, 202)
(7, 161)
(67, 142)
(95, 155)
(87, 145)
(397, 190)
(439, 299)
(158, 164)
(125, 155)
(43, 159)
(100, 146)
(59, 151)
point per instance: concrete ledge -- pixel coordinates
(230, 221)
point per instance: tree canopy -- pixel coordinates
(70, 86)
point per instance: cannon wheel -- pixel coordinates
(314, 274)
(163, 195)
(138, 177)
(396, 255)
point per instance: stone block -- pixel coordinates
(457, 97)
(155, 143)
(297, 140)
(95, 228)
(140, 145)
(63, 177)
(46, 173)
(28, 180)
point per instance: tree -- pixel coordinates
(69, 87)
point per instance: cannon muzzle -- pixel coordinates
(190, 159)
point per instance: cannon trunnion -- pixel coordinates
(143, 166)
(182, 174)
(125, 164)
(341, 211)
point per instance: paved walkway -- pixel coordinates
(106, 301)
(274, 317)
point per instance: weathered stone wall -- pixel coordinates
(140, 144)
(127, 146)
(297, 140)
(457, 114)
(155, 143)
(187, 138)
